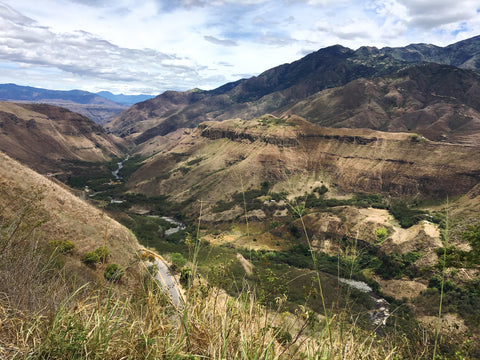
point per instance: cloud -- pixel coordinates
(84, 55)
(9, 14)
(182, 44)
(275, 39)
(427, 14)
(224, 42)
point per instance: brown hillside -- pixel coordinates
(434, 90)
(42, 136)
(61, 216)
(436, 101)
(214, 160)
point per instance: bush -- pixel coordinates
(102, 253)
(186, 276)
(90, 258)
(320, 190)
(178, 261)
(381, 234)
(98, 255)
(61, 246)
(113, 272)
(406, 216)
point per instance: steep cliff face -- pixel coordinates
(42, 136)
(220, 158)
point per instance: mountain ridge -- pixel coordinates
(280, 149)
(44, 136)
(282, 86)
(97, 106)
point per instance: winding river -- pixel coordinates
(120, 166)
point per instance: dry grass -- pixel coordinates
(56, 214)
(99, 324)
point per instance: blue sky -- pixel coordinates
(149, 46)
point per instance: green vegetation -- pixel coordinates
(194, 161)
(113, 272)
(178, 261)
(251, 198)
(98, 255)
(62, 246)
(381, 234)
(417, 138)
(273, 120)
(405, 215)
(361, 200)
(463, 300)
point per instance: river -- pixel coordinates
(120, 166)
(381, 313)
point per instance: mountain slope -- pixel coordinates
(44, 136)
(55, 214)
(88, 104)
(439, 102)
(124, 99)
(208, 162)
(281, 86)
(463, 54)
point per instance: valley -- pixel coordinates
(272, 194)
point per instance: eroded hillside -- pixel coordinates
(45, 136)
(220, 158)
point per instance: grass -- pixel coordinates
(102, 325)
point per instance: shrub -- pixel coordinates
(417, 138)
(102, 253)
(91, 258)
(406, 216)
(113, 272)
(98, 255)
(185, 276)
(178, 261)
(320, 190)
(61, 246)
(381, 234)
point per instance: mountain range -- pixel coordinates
(97, 106)
(386, 86)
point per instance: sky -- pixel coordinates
(150, 46)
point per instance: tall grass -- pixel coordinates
(105, 326)
(102, 321)
(445, 246)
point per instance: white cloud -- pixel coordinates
(127, 45)
(222, 42)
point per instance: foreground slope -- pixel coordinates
(56, 215)
(48, 313)
(45, 136)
